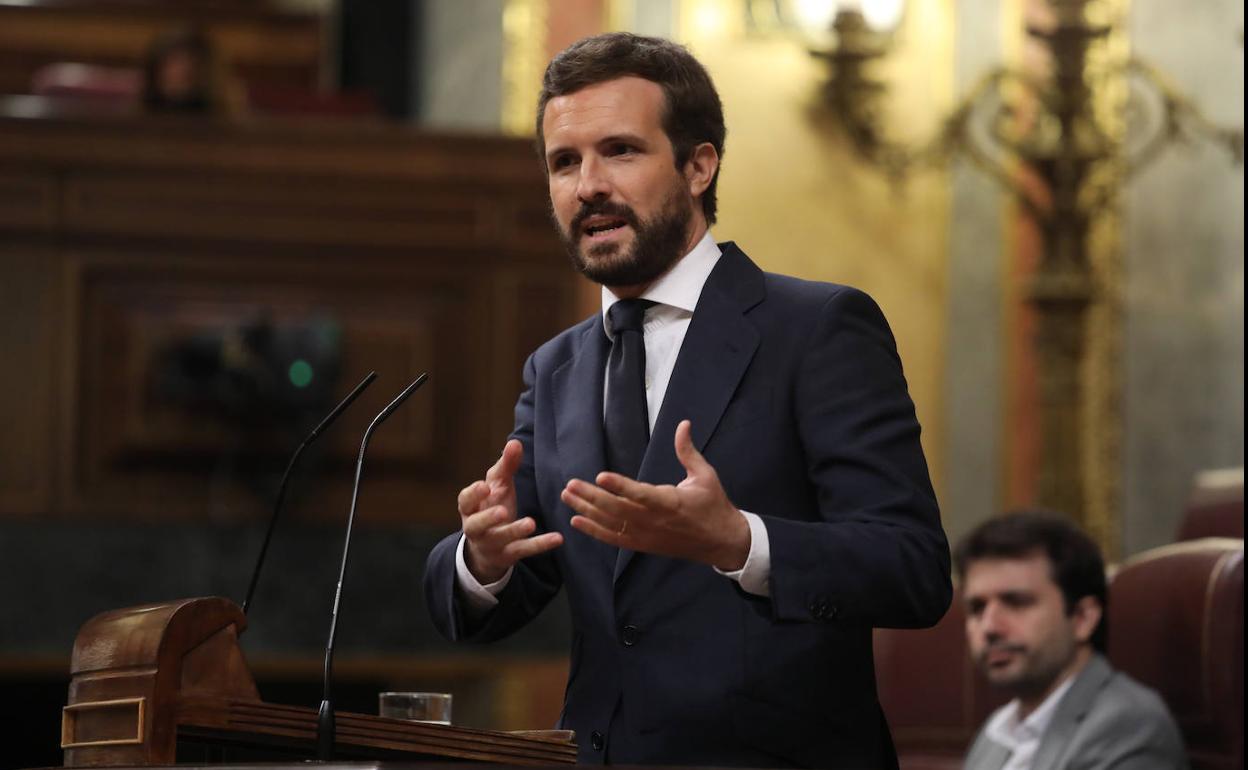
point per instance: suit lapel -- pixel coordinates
(1071, 710)
(995, 757)
(987, 754)
(577, 389)
(715, 354)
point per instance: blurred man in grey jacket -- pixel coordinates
(1035, 591)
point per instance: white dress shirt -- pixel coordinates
(1022, 738)
(676, 295)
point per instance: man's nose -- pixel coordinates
(592, 185)
(991, 621)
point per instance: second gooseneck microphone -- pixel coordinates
(325, 723)
(281, 489)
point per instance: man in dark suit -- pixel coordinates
(1034, 588)
(723, 469)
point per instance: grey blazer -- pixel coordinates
(1105, 720)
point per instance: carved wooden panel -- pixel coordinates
(28, 341)
(127, 243)
(28, 309)
(130, 444)
(27, 200)
(273, 209)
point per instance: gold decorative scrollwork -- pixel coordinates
(524, 61)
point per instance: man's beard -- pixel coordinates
(1037, 670)
(657, 243)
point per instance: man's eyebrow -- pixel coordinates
(634, 139)
(1017, 593)
(623, 138)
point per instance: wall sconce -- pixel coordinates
(859, 32)
(1038, 126)
(881, 17)
(814, 21)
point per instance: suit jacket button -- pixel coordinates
(596, 741)
(629, 635)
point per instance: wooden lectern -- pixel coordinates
(144, 678)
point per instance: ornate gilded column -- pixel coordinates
(1053, 135)
(1065, 147)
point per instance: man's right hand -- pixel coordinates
(494, 539)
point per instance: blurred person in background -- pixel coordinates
(1035, 592)
(183, 72)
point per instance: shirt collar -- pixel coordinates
(680, 286)
(1007, 730)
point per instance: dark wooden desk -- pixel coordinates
(152, 683)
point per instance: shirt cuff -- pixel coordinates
(755, 575)
(479, 599)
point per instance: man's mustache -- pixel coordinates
(601, 208)
(992, 647)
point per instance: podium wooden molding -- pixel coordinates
(143, 678)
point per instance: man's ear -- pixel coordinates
(701, 167)
(1086, 615)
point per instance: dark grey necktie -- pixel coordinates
(626, 422)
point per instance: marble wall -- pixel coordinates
(974, 386)
(460, 72)
(1182, 365)
(1183, 400)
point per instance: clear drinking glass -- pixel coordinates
(432, 707)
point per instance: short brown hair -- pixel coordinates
(692, 114)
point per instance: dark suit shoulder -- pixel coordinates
(804, 295)
(554, 351)
(824, 310)
(739, 275)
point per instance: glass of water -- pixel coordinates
(432, 707)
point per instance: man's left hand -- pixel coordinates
(693, 520)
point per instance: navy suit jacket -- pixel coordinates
(797, 398)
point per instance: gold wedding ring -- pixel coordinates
(623, 527)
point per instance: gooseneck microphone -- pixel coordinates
(286, 477)
(281, 489)
(325, 725)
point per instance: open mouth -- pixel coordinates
(598, 227)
